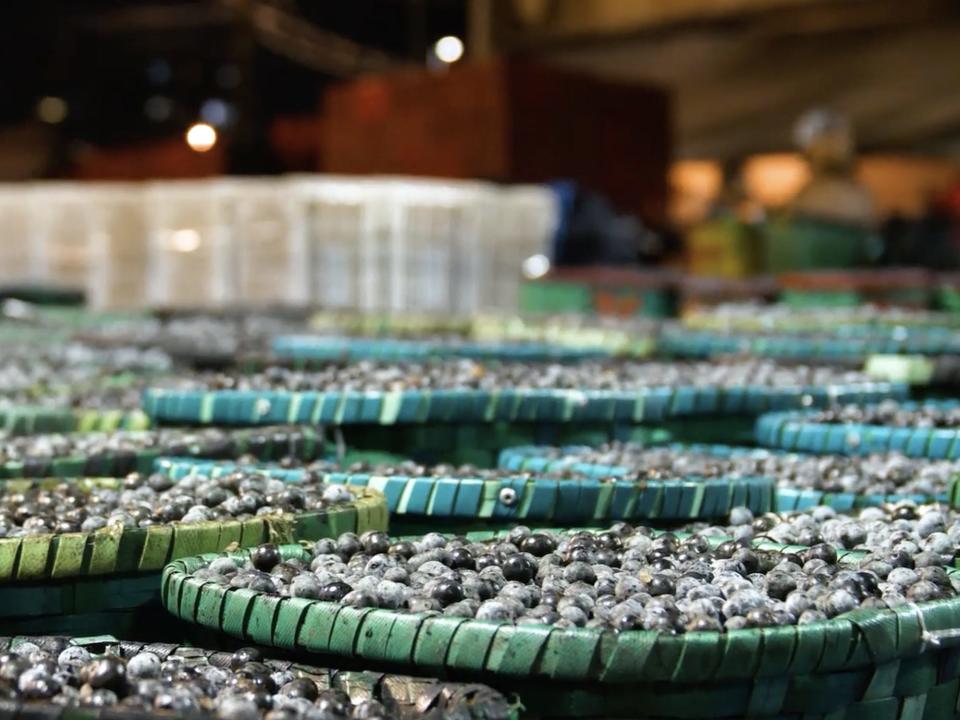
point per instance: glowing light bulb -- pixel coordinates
(52, 110)
(536, 266)
(448, 49)
(186, 240)
(201, 137)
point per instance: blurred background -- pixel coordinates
(464, 156)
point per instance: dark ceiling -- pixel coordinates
(266, 57)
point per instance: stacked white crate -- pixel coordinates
(348, 241)
(190, 240)
(119, 252)
(269, 240)
(525, 219)
(368, 244)
(16, 226)
(60, 229)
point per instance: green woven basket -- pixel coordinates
(238, 407)
(268, 443)
(870, 664)
(792, 431)
(27, 420)
(539, 498)
(69, 579)
(307, 349)
(407, 697)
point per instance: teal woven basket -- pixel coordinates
(890, 663)
(265, 444)
(838, 344)
(541, 498)
(236, 407)
(791, 431)
(312, 349)
(566, 461)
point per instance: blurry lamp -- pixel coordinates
(186, 240)
(536, 266)
(228, 76)
(159, 71)
(448, 49)
(158, 108)
(216, 112)
(774, 179)
(52, 110)
(201, 137)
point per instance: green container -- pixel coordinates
(803, 243)
(865, 664)
(109, 577)
(268, 443)
(552, 297)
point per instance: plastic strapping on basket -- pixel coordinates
(934, 639)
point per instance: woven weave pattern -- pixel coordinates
(26, 420)
(116, 550)
(264, 444)
(345, 349)
(234, 407)
(541, 498)
(792, 431)
(867, 663)
(851, 345)
(785, 499)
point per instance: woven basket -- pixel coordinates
(790, 431)
(785, 499)
(407, 697)
(866, 664)
(837, 344)
(80, 580)
(265, 444)
(28, 420)
(343, 349)
(538, 499)
(815, 320)
(237, 407)
(618, 336)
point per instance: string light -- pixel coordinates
(448, 49)
(201, 137)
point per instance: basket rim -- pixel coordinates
(566, 458)
(859, 639)
(530, 497)
(99, 550)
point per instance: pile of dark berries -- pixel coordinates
(144, 500)
(241, 686)
(883, 474)
(928, 534)
(624, 578)
(472, 375)
(892, 414)
(203, 442)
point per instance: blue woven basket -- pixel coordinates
(238, 407)
(527, 498)
(565, 460)
(793, 431)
